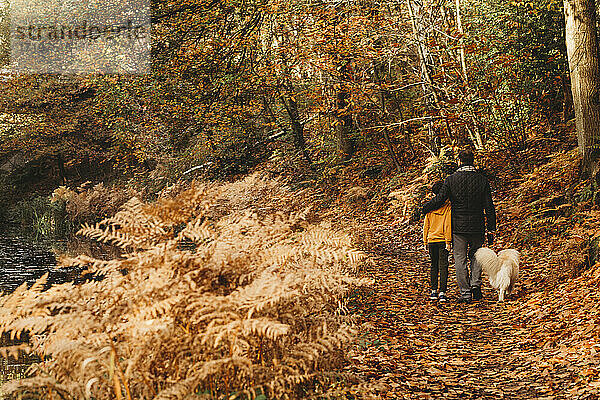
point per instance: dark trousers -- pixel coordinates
(465, 246)
(439, 265)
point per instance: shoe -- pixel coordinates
(442, 297)
(433, 295)
(476, 292)
(466, 300)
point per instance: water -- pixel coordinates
(25, 260)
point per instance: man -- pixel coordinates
(471, 198)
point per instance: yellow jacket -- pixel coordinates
(437, 226)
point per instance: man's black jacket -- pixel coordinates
(471, 197)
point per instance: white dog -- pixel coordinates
(502, 269)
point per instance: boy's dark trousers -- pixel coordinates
(439, 265)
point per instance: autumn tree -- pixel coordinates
(4, 33)
(202, 97)
(231, 81)
(282, 73)
(54, 132)
(582, 46)
(334, 63)
(497, 68)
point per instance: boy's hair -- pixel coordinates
(466, 157)
(436, 187)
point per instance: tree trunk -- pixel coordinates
(4, 34)
(60, 164)
(567, 109)
(463, 60)
(384, 115)
(291, 107)
(582, 50)
(421, 39)
(297, 127)
(415, 10)
(344, 127)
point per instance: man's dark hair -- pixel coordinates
(436, 187)
(466, 157)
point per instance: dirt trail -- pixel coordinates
(419, 349)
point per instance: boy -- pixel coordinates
(437, 236)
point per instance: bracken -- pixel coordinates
(215, 294)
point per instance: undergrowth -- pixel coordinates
(86, 203)
(550, 216)
(63, 213)
(549, 209)
(215, 294)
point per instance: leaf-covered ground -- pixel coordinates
(486, 350)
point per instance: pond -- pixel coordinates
(25, 260)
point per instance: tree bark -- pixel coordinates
(463, 59)
(567, 109)
(60, 164)
(415, 9)
(344, 127)
(4, 33)
(420, 39)
(297, 126)
(291, 107)
(582, 51)
(384, 112)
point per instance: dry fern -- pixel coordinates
(215, 294)
(88, 203)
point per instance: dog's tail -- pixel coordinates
(488, 260)
(511, 254)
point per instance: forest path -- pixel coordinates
(420, 349)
